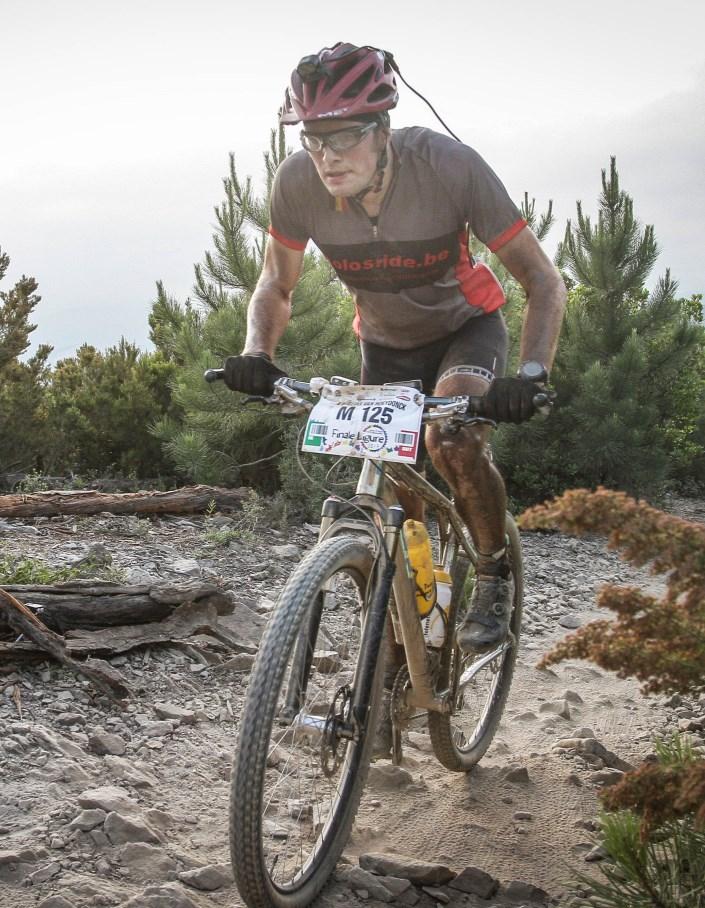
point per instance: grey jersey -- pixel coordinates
(410, 273)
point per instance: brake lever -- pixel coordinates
(258, 399)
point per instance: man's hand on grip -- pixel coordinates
(511, 399)
(251, 373)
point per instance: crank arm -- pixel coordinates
(477, 666)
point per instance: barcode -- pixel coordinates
(405, 438)
(318, 428)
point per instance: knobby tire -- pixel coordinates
(264, 880)
(459, 740)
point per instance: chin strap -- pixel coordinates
(376, 184)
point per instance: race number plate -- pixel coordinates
(380, 422)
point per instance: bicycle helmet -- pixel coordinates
(343, 81)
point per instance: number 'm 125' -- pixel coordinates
(369, 414)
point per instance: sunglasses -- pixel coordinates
(341, 140)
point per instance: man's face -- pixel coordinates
(346, 172)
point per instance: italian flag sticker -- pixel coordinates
(316, 434)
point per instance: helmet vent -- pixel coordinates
(354, 89)
(381, 93)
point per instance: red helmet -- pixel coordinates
(340, 81)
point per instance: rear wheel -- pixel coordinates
(303, 757)
(479, 684)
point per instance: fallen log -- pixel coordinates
(90, 604)
(187, 500)
(186, 621)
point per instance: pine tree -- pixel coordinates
(22, 383)
(216, 439)
(621, 350)
(101, 406)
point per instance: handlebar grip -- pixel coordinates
(476, 406)
(543, 403)
(211, 375)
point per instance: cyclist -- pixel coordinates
(391, 211)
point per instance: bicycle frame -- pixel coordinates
(375, 495)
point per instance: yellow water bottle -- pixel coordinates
(435, 624)
(418, 545)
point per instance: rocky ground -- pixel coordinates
(100, 807)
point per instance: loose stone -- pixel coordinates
(44, 873)
(475, 881)
(521, 891)
(519, 775)
(148, 862)
(438, 894)
(209, 878)
(121, 829)
(108, 798)
(88, 819)
(103, 743)
(557, 708)
(362, 880)
(606, 777)
(388, 777)
(178, 713)
(418, 872)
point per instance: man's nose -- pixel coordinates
(329, 154)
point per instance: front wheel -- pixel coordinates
(478, 684)
(303, 756)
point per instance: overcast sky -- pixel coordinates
(116, 119)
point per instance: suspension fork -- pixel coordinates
(303, 656)
(373, 631)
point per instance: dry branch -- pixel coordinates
(22, 621)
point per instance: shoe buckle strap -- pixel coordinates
(494, 556)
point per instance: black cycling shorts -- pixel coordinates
(480, 346)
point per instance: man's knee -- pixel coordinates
(463, 452)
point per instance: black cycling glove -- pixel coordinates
(251, 373)
(511, 399)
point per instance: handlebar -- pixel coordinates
(460, 408)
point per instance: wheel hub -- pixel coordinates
(337, 728)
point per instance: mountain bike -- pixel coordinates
(315, 692)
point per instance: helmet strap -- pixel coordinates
(378, 180)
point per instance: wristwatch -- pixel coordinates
(534, 371)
